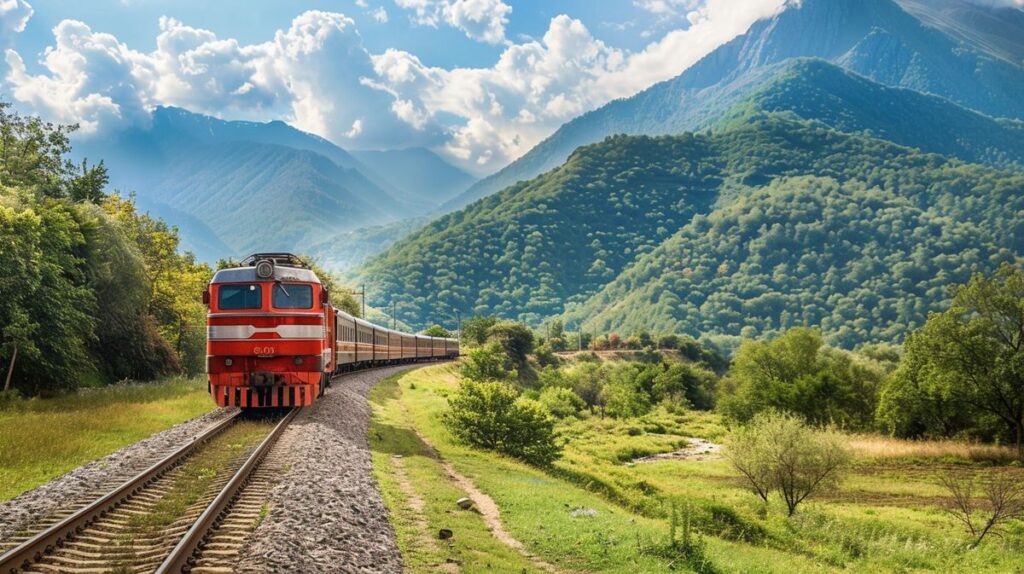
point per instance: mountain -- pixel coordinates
(922, 48)
(813, 89)
(863, 264)
(346, 250)
(628, 203)
(233, 187)
(419, 175)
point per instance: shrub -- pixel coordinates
(1003, 493)
(546, 357)
(493, 416)
(486, 363)
(552, 376)
(561, 402)
(779, 452)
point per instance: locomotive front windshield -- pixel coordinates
(240, 297)
(293, 296)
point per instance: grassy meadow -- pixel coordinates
(44, 438)
(598, 511)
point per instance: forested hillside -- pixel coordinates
(860, 260)
(93, 290)
(921, 50)
(782, 206)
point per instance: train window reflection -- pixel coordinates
(293, 296)
(239, 297)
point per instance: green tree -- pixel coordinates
(779, 452)
(437, 331)
(561, 402)
(515, 338)
(973, 353)
(486, 363)
(493, 416)
(475, 329)
(797, 373)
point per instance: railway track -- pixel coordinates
(145, 524)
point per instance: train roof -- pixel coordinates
(281, 273)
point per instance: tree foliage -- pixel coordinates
(91, 289)
(798, 374)
(778, 452)
(966, 364)
(494, 417)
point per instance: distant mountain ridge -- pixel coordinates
(419, 174)
(874, 38)
(237, 186)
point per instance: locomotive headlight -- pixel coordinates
(228, 362)
(298, 360)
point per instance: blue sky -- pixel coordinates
(478, 81)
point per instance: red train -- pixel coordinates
(274, 340)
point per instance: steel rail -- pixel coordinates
(181, 558)
(36, 547)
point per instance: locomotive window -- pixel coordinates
(239, 297)
(293, 296)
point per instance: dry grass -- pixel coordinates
(877, 447)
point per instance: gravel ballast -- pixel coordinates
(326, 513)
(80, 486)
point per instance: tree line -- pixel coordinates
(961, 375)
(92, 290)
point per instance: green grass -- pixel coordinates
(886, 516)
(44, 438)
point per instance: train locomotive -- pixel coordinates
(274, 340)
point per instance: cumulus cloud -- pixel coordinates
(318, 75)
(311, 74)
(537, 85)
(14, 15)
(380, 14)
(482, 20)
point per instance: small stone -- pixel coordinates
(464, 503)
(445, 534)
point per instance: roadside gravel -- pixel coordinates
(326, 513)
(40, 506)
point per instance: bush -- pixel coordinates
(493, 416)
(545, 357)
(561, 402)
(779, 452)
(796, 373)
(486, 363)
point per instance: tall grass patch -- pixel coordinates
(44, 438)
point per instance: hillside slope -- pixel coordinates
(236, 186)
(542, 246)
(418, 174)
(874, 38)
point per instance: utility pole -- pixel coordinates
(394, 321)
(362, 294)
(10, 369)
(579, 332)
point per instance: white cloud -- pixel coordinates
(380, 14)
(537, 85)
(482, 20)
(14, 15)
(668, 8)
(310, 74)
(318, 75)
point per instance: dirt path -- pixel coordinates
(485, 505)
(418, 506)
